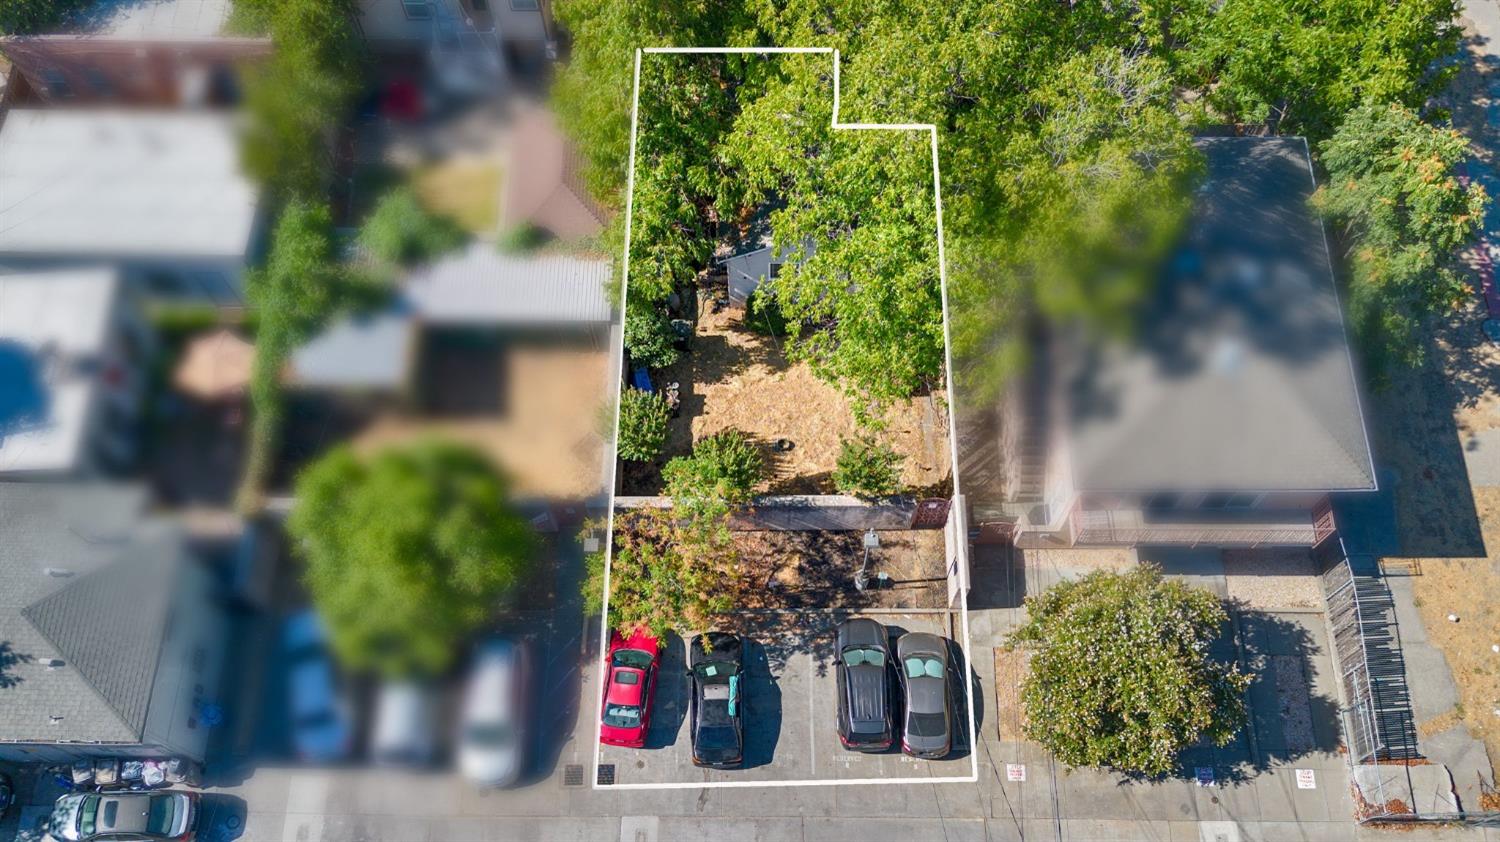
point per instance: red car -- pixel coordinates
(630, 683)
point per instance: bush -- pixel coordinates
(402, 232)
(725, 466)
(763, 313)
(522, 239)
(643, 425)
(1121, 674)
(867, 468)
(649, 338)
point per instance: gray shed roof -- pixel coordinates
(482, 286)
(1241, 377)
(357, 352)
(83, 584)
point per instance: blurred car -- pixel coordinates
(7, 793)
(160, 815)
(716, 663)
(405, 732)
(927, 729)
(492, 725)
(863, 675)
(321, 730)
(630, 671)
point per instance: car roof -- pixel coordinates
(305, 628)
(403, 713)
(862, 631)
(627, 694)
(866, 688)
(312, 687)
(132, 809)
(491, 689)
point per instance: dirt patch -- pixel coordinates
(1011, 668)
(539, 422)
(816, 570)
(1467, 587)
(467, 190)
(735, 378)
(1271, 579)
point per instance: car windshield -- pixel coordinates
(489, 734)
(858, 656)
(622, 716)
(919, 666)
(716, 672)
(163, 810)
(927, 725)
(87, 815)
(632, 658)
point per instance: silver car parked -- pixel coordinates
(927, 727)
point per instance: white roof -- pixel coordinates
(112, 183)
(50, 322)
(156, 20)
(482, 286)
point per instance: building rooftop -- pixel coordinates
(544, 184)
(482, 286)
(111, 183)
(1240, 378)
(153, 20)
(53, 328)
(83, 610)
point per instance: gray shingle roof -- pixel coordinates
(83, 578)
(481, 286)
(1240, 378)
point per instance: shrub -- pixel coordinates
(1121, 674)
(867, 468)
(522, 238)
(725, 466)
(763, 313)
(403, 232)
(643, 425)
(649, 337)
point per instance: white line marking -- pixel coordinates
(937, 196)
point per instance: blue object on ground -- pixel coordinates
(641, 378)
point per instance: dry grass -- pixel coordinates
(465, 189)
(738, 379)
(1468, 587)
(816, 569)
(1011, 668)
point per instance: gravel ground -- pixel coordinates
(1272, 579)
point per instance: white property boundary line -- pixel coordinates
(937, 188)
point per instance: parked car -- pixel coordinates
(7, 794)
(320, 718)
(927, 729)
(83, 817)
(864, 676)
(716, 710)
(630, 672)
(405, 731)
(492, 730)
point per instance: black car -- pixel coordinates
(864, 675)
(716, 710)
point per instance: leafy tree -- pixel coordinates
(762, 314)
(667, 574)
(1302, 64)
(867, 468)
(1121, 675)
(36, 17)
(649, 337)
(722, 468)
(292, 293)
(401, 231)
(1407, 218)
(407, 553)
(643, 425)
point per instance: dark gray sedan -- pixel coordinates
(922, 663)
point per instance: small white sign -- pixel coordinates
(1306, 779)
(1015, 771)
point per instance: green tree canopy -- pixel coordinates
(401, 231)
(1121, 675)
(407, 553)
(667, 573)
(1393, 185)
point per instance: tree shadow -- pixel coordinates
(959, 673)
(9, 659)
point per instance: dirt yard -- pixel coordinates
(1468, 587)
(533, 409)
(816, 569)
(735, 378)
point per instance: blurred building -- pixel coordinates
(467, 45)
(158, 194)
(1230, 415)
(544, 186)
(111, 637)
(73, 355)
(132, 52)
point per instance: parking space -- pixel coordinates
(790, 711)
